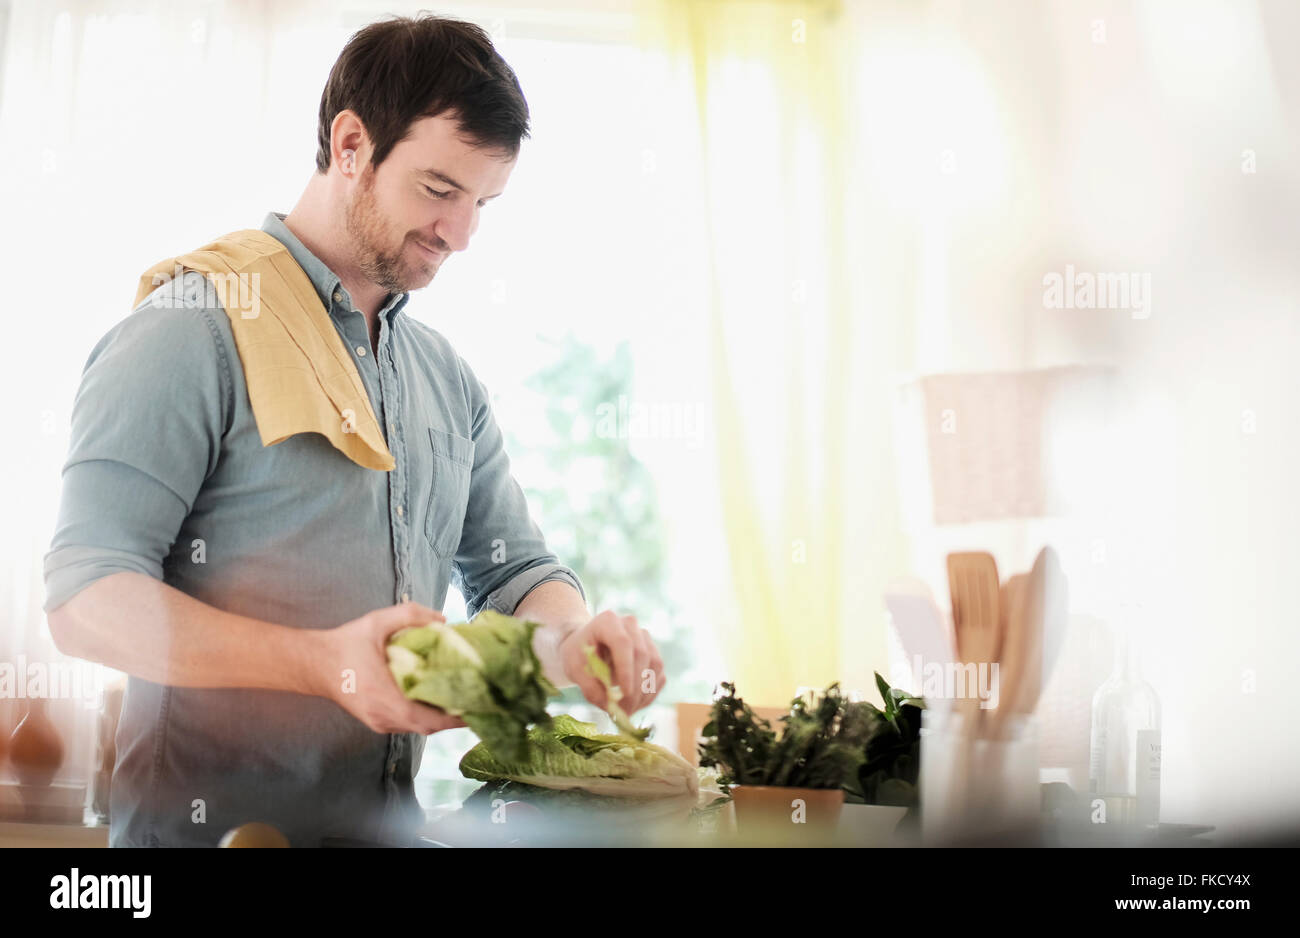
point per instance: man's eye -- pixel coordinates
(435, 193)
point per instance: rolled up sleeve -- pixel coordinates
(502, 554)
(146, 432)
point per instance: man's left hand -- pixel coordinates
(634, 660)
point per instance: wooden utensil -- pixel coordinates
(978, 625)
(1056, 606)
(974, 585)
(1035, 629)
(925, 635)
(1016, 660)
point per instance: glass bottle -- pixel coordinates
(1124, 768)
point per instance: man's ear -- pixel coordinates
(349, 135)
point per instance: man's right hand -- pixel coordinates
(355, 672)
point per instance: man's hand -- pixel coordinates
(634, 661)
(354, 673)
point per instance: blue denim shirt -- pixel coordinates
(167, 475)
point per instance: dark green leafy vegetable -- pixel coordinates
(737, 741)
(819, 746)
(891, 761)
(873, 753)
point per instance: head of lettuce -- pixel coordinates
(485, 672)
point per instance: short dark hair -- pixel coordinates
(396, 71)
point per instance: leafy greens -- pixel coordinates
(484, 671)
(570, 754)
(829, 742)
(891, 763)
(820, 742)
(600, 671)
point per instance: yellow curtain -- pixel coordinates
(768, 86)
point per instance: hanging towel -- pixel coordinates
(300, 376)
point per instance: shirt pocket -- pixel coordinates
(452, 462)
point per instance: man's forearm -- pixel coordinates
(139, 625)
(560, 609)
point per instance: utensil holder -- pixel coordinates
(974, 787)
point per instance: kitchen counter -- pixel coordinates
(23, 834)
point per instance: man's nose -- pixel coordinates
(454, 229)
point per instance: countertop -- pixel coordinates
(24, 834)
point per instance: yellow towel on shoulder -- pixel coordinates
(300, 376)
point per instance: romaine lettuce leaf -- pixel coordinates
(571, 754)
(600, 671)
(484, 671)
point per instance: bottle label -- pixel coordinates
(1097, 755)
(1148, 776)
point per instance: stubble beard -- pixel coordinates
(365, 225)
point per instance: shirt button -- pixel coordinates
(400, 511)
(338, 297)
(406, 597)
(361, 350)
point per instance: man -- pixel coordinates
(248, 585)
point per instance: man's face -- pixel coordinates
(421, 204)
